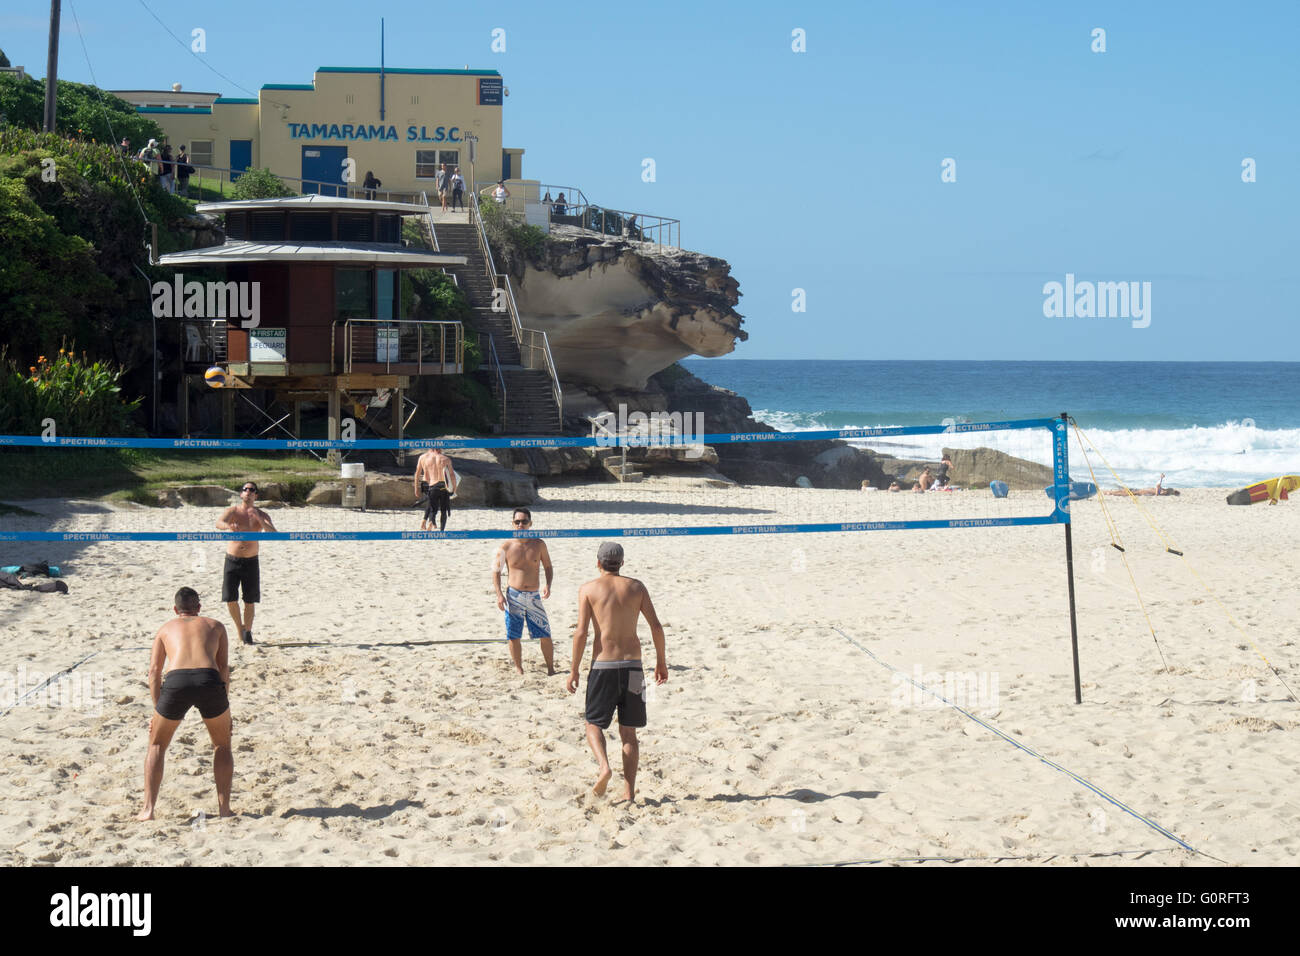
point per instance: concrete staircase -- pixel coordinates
(530, 401)
(611, 459)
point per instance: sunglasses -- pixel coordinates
(522, 521)
(247, 489)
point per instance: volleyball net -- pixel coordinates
(952, 475)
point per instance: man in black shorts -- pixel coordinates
(241, 571)
(198, 675)
(435, 483)
(613, 603)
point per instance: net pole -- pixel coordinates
(1063, 475)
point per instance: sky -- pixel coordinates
(821, 170)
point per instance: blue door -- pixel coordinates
(322, 165)
(241, 157)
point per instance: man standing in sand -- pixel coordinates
(612, 603)
(198, 676)
(522, 601)
(241, 569)
(435, 481)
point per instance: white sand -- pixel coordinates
(776, 740)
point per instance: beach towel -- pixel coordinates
(41, 568)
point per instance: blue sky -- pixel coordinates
(821, 170)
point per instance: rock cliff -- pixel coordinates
(617, 311)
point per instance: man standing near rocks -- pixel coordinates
(435, 482)
(522, 601)
(241, 570)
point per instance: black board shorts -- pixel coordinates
(241, 573)
(199, 687)
(616, 684)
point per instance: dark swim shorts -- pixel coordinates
(612, 684)
(199, 687)
(241, 572)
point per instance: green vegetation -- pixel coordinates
(71, 239)
(506, 229)
(81, 397)
(259, 184)
(82, 112)
(137, 474)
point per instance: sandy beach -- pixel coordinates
(777, 740)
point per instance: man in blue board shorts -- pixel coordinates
(522, 601)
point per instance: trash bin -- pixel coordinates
(354, 486)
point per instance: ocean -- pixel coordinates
(1204, 424)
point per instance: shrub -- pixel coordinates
(82, 397)
(259, 184)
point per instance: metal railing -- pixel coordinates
(535, 347)
(428, 220)
(205, 340)
(426, 344)
(494, 364)
(586, 215)
(218, 179)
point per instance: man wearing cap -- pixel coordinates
(612, 603)
(241, 569)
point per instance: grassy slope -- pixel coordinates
(89, 473)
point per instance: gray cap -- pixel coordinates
(611, 552)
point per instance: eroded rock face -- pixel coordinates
(618, 311)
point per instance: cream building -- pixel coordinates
(400, 124)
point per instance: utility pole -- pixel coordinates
(52, 68)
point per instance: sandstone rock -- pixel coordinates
(976, 467)
(326, 493)
(168, 498)
(388, 493)
(208, 496)
(616, 311)
(493, 486)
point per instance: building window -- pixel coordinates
(415, 101)
(427, 162)
(309, 226)
(353, 293)
(201, 152)
(355, 227)
(350, 98)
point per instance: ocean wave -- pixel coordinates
(1228, 455)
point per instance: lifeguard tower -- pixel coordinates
(332, 324)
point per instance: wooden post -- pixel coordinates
(333, 414)
(184, 402)
(297, 418)
(395, 406)
(227, 413)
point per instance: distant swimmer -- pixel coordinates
(435, 481)
(1158, 491)
(198, 675)
(522, 601)
(241, 570)
(612, 604)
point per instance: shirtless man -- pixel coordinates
(611, 603)
(241, 567)
(198, 676)
(522, 601)
(435, 481)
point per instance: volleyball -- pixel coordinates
(215, 376)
